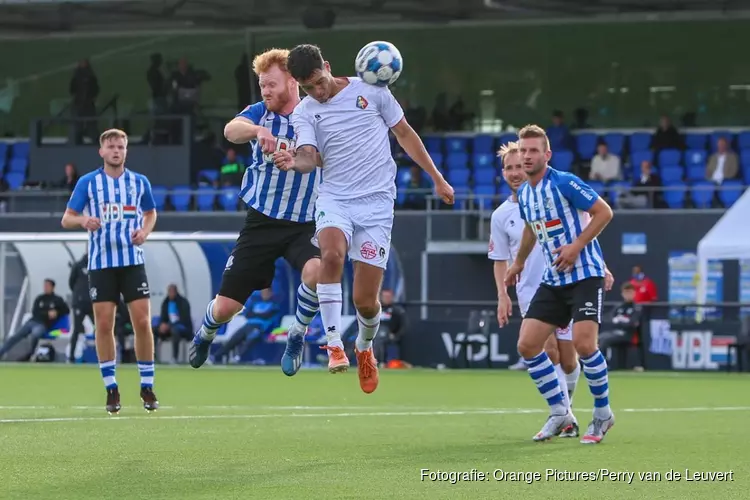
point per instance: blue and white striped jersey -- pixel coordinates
(119, 204)
(281, 195)
(557, 211)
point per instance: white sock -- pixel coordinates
(330, 299)
(572, 379)
(563, 385)
(368, 328)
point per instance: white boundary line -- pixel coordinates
(434, 413)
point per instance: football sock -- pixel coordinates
(330, 299)
(563, 385)
(572, 379)
(210, 325)
(543, 374)
(146, 369)
(307, 308)
(108, 373)
(368, 328)
(595, 369)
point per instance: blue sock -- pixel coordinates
(146, 369)
(108, 374)
(595, 368)
(543, 374)
(307, 308)
(210, 325)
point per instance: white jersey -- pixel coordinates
(351, 133)
(506, 231)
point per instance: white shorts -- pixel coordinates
(366, 222)
(561, 333)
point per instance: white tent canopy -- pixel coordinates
(729, 239)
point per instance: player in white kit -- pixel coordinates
(506, 230)
(342, 125)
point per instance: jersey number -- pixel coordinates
(282, 144)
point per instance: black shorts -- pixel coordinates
(581, 301)
(252, 264)
(130, 282)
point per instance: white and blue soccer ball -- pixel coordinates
(379, 63)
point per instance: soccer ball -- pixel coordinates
(379, 63)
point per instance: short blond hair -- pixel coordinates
(113, 133)
(507, 149)
(534, 132)
(265, 61)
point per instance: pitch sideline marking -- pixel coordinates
(516, 411)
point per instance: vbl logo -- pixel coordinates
(116, 212)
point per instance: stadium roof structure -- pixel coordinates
(39, 17)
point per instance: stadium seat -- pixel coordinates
(695, 157)
(746, 174)
(483, 160)
(670, 157)
(437, 159)
(456, 144)
(403, 176)
(485, 177)
(433, 143)
(228, 199)
(160, 196)
(695, 141)
(745, 157)
(483, 143)
(20, 150)
(459, 177)
(615, 142)
(702, 193)
(674, 195)
(617, 187)
(639, 141)
(181, 198)
(506, 138)
(3, 151)
(598, 186)
(730, 192)
(208, 175)
(15, 180)
(718, 135)
(562, 160)
(638, 157)
(586, 145)
(205, 198)
(696, 173)
(505, 192)
(18, 165)
(3, 162)
(671, 174)
(457, 161)
(485, 196)
(743, 140)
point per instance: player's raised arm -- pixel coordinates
(73, 218)
(244, 128)
(306, 157)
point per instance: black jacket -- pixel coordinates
(79, 283)
(627, 317)
(45, 303)
(183, 311)
(393, 319)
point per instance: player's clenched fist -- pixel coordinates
(91, 223)
(284, 160)
(445, 192)
(266, 140)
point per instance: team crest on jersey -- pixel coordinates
(361, 102)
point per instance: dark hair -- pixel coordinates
(627, 286)
(303, 60)
(50, 281)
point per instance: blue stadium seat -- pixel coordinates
(670, 157)
(639, 141)
(485, 196)
(638, 157)
(730, 192)
(746, 174)
(437, 159)
(228, 199)
(562, 160)
(617, 187)
(702, 193)
(485, 177)
(160, 196)
(205, 198)
(403, 176)
(743, 140)
(210, 175)
(462, 198)
(505, 192)
(18, 165)
(745, 157)
(433, 143)
(674, 194)
(718, 135)
(15, 180)
(598, 186)
(3, 161)
(456, 144)
(586, 145)
(459, 177)
(20, 150)
(483, 143)
(695, 141)
(3, 151)
(457, 161)
(671, 174)
(483, 160)
(506, 138)
(615, 142)
(695, 157)
(181, 198)
(696, 173)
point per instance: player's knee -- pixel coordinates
(310, 273)
(332, 258)
(569, 365)
(225, 309)
(585, 345)
(141, 325)
(528, 349)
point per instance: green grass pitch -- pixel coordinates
(254, 433)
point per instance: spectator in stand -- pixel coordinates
(175, 322)
(393, 325)
(666, 136)
(559, 133)
(645, 289)
(605, 167)
(84, 89)
(70, 179)
(417, 190)
(645, 193)
(723, 164)
(232, 170)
